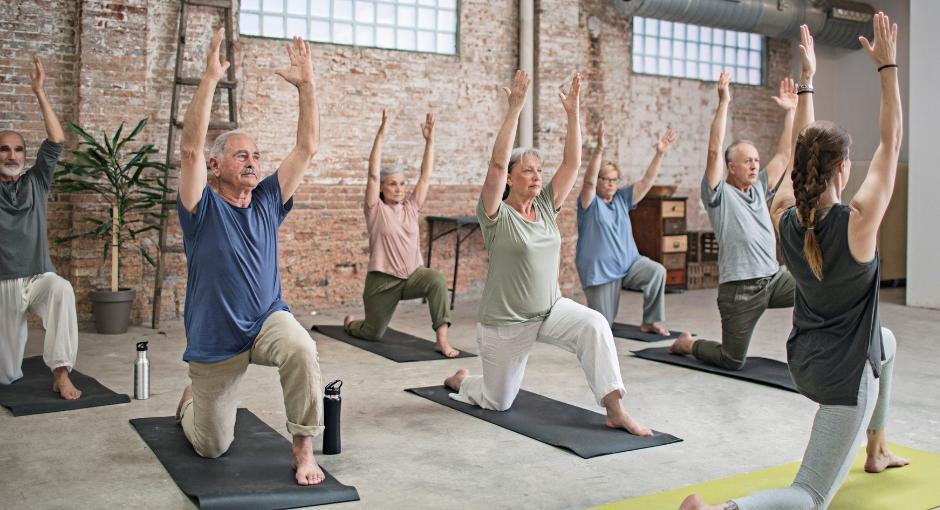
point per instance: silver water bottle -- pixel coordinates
(141, 373)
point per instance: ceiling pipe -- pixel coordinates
(527, 64)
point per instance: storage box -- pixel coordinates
(703, 247)
(702, 275)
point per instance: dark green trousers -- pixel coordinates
(383, 292)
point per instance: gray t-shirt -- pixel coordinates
(24, 249)
(522, 279)
(747, 245)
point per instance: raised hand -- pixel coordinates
(38, 76)
(665, 141)
(520, 87)
(571, 100)
(601, 140)
(215, 64)
(884, 50)
(301, 64)
(808, 51)
(385, 120)
(427, 127)
(724, 87)
(787, 98)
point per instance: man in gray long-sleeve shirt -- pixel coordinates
(28, 282)
(750, 279)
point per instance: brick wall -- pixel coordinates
(112, 60)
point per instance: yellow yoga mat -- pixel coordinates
(913, 487)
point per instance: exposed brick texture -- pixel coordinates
(109, 61)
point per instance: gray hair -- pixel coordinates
(217, 150)
(520, 152)
(389, 170)
(733, 146)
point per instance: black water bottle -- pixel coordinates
(331, 408)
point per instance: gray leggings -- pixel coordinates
(836, 436)
(645, 275)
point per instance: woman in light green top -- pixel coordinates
(521, 301)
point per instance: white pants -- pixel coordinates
(504, 351)
(49, 296)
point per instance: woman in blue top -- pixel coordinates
(607, 258)
(838, 353)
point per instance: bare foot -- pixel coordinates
(695, 502)
(682, 345)
(884, 459)
(617, 417)
(346, 320)
(307, 472)
(453, 382)
(652, 327)
(187, 395)
(62, 385)
(444, 348)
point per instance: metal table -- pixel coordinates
(458, 222)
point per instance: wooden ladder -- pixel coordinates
(230, 85)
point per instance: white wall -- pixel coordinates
(923, 241)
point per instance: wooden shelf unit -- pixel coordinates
(659, 228)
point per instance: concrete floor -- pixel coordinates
(401, 451)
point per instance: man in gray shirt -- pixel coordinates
(28, 282)
(750, 279)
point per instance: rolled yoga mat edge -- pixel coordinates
(396, 345)
(766, 371)
(32, 394)
(256, 472)
(580, 431)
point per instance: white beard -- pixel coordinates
(11, 171)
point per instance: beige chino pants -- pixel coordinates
(208, 418)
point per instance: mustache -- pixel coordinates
(249, 170)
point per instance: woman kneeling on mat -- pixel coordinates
(395, 271)
(521, 301)
(607, 258)
(839, 355)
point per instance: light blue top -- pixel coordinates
(232, 264)
(606, 248)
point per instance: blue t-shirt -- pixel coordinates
(606, 248)
(234, 283)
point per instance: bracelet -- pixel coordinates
(801, 88)
(887, 66)
(807, 91)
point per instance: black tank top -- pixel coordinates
(836, 328)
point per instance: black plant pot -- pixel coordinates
(112, 310)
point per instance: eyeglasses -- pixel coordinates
(609, 180)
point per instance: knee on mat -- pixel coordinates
(502, 404)
(215, 447)
(733, 364)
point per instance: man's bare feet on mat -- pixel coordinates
(307, 472)
(695, 502)
(444, 348)
(346, 320)
(654, 328)
(187, 395)
(884, 459)
(453, 382)
(682, 345)
(618, 418)
(62, 385)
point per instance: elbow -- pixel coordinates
(189, 153)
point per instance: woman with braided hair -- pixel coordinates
(838, 353)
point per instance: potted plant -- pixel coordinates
(134, 188)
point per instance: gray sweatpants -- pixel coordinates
(836, 436)
(644, 275)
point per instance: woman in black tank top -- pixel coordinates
(838, 353)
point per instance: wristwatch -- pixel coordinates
(804, 88)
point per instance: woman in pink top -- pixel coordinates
(396, 269)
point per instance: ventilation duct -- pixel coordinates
(833, 22)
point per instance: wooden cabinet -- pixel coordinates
(659, 228)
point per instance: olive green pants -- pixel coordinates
(383, 292)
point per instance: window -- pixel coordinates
(416, 25)
(682, 50)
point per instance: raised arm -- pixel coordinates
(589, 186)
(787, 100)
(495, 182)
(427, 161)
(37, 79)
(195, 124)
(714, 165)
(804, 116)
(373, 182)
(661, 145)
(567, 173)
(300, 75)
(871, 200)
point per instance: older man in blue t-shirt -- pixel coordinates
(234, 312)
(607, 258)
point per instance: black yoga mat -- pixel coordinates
(395, 345)
(583, 432)
(633, 332)
(33, 393)
(760, 370)
(255, 474)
